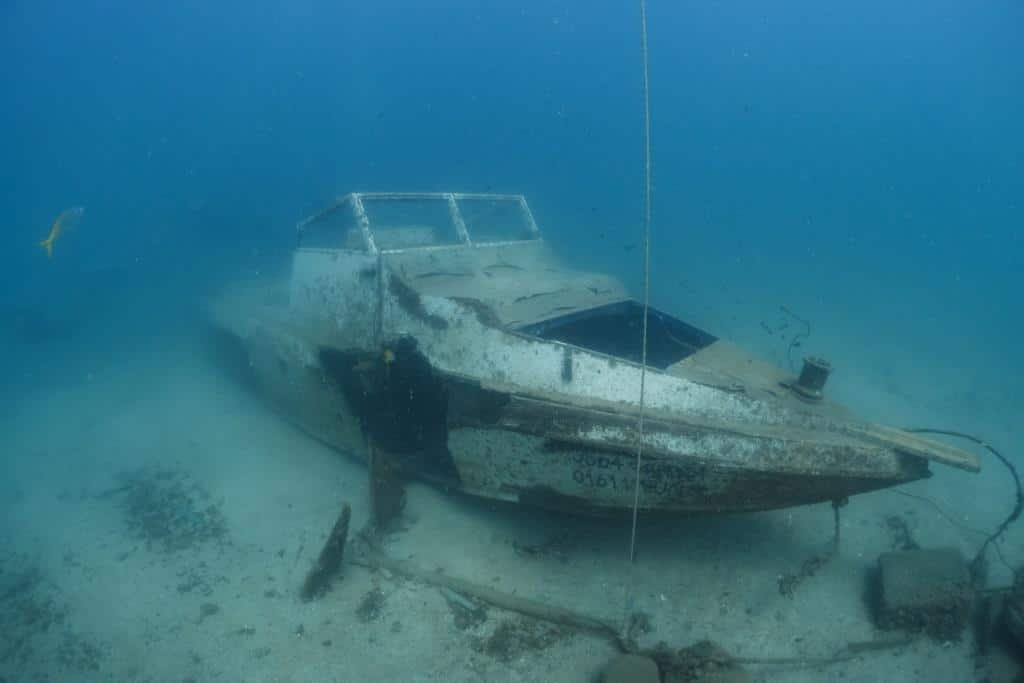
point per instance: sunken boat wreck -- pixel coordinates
(440, 330)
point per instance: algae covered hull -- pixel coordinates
(440, 329)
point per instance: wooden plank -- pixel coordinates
(919, 446)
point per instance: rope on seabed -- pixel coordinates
(647, 298)
(1018, 506)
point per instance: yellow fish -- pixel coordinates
(65, 220)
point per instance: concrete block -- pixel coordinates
(924, 590)
(631, 669)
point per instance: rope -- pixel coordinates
(647, 299)
(977, 563)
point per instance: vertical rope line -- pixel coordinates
(647, 299)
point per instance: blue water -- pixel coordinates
(858, 163)
(870, 146)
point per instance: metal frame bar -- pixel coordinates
(364, 222)
(460, 224)
(330, 208)
(356, 201)
(534, 230)
(435, 195)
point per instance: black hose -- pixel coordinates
(1017, 508)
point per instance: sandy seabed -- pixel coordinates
(158, 520)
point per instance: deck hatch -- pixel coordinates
(614, 329)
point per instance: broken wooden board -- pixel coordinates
(913, 444)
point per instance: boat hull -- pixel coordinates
(538, 450)
(439, 335)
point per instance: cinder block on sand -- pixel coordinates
(631, 669)
(924, 590)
